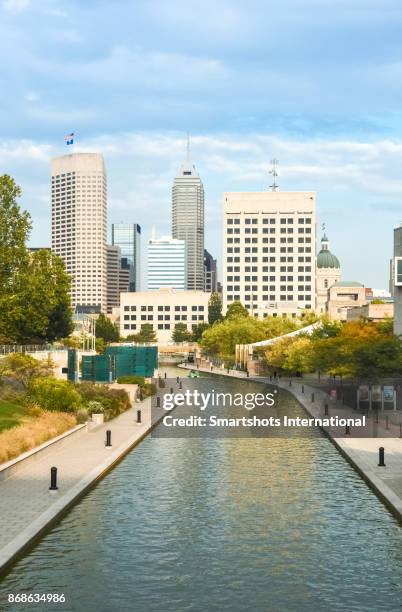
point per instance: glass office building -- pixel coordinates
(127, 236)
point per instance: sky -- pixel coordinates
(315, 83)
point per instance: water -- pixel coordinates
(221, 524)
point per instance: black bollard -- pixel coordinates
(347, 430)
(165, 374)
(381, 457)
(386, 422)
(158, 402)
(312, 397)
(171, 389)
(302, 388)
(108, 438)
(177, 379)
(53, 479)
(180, 385)
(138, 416)
(248, 374)
(326, 409)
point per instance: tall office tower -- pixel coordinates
(210, 273)
(128, 237)
(270, 252)
(166, 263)
(79, 225)
(188, 220)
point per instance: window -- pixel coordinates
(398, 271)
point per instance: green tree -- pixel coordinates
(197, 331)
(146, 335)
(41, 309)
(181, 333)
(236, 309)
(214, 308)
(24, 368)
(15, 227)
(53, 394)
(106, 330)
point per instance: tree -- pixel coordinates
(24, 368)
(106, 330)
(15, 227)
(236, 309)
(181, 333)
(198, 330)
(214, 308)
(146, 335)
(41, 308)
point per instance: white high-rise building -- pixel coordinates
(79, 225)
(269, 252)
(166, 263)
(188, 220)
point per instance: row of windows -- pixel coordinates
(268, 230)
(162, 317)
(164, 308)
(271, 298)
(160, 326)
(269, 220)
(269, 250)
(283, 240)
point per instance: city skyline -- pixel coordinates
(245, 96)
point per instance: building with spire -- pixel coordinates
(188, 220)
(328, 273)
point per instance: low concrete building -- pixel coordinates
(343, 295)
(163, 309)
(372, 312)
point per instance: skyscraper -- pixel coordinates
(210, 273)
(166, 263)
(127, 236)
(269, 259)
(79, 225)
(188, 220)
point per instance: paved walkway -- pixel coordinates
(361, 451)
(26, 504)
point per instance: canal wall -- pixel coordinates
(361, 453)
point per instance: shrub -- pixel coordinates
(114, 401)
(82, 415)
(53, 394)
(147, 389)
(24, 368)
(131, 380)
(22, 438)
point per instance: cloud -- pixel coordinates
(16, 6)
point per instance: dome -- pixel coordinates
(325, 259)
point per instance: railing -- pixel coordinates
(6, 349)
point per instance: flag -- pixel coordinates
(69, 139)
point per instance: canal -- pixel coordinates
(187, 524)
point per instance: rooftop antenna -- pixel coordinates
(323, 227)
(188, 146)
(274, 172)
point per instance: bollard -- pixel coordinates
(386, 422)
(165, 374)
(180, 385)
(138, 416)
(312, 397)
(347, 430)
(177, 379)
(381, 456)
(326, 409)
(302, 388)
(171, 389)
(53, 479)
(108, 438)
(248, 374)
(158, 402)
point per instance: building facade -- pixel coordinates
(269, 252)
(163, 310)
(118, 278)
(79, 225)
(344, 295)
(188, 221)
(328, 273)
(166, 263)
(396, 280)
(127, 236)
(371, 312)
(210, 273)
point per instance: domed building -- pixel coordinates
(328, 273)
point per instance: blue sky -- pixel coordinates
(315, 83)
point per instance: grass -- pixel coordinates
(32, 432)
(11, 414)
